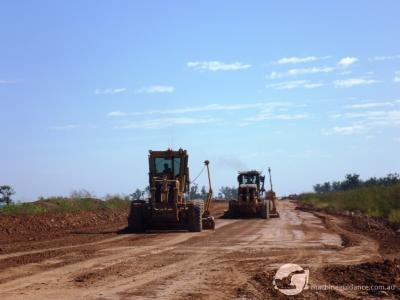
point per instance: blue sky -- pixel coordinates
(309, 88)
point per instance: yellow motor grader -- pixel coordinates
(252, 198)
(168, 206)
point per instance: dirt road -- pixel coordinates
(237, 260)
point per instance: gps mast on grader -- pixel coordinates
(251, 200)
(167, 207)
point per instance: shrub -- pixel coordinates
(22, 208)
(376, 200)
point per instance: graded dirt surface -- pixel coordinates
(236, 261)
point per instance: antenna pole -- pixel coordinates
(270, 178)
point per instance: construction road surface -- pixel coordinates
(236, 261)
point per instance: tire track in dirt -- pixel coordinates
(236, 260)
(112, 251)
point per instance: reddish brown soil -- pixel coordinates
(85, 256)
(20, 228)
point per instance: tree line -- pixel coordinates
(353, 181)
(195, 192)
(6, 192)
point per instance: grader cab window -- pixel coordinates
(247, 179)
(170, 165)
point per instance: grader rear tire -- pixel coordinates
(136, 219)
(232, 211)
(195, 219)
(265, 210)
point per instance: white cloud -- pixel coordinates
(287, 85)
(275, 113)
(289, 117)
(313, 70)
(335, 116)
(344, 130)
(110, 91)
(382, 117)
(301, 71)
(347, 61)
(211, 107)
(249, 112)
(350, 82)
(156, 89)
(117, 113)
(66, 127)
(274, 75)
(217, 66)
(387, 57)
(367, 120)
(346, 72)
(348, 129)
(396, 76)
(312, 85)
(165, 122)
(4, 81)
(296, 60)
(205, 108)
(370, 105)
(269, 115)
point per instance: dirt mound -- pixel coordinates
(381, 230)
(377, 225)
(18, 228)
(384, 232)
(377, 278)
(49, 206)
(260, 286)
(57, 223)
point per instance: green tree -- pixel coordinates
(203, 192)
(137, 194)
(352, 181)
(6, 192)
(326, 187)
(371, 182)
(318, 188)
(390, 179)
(81, 194)
(228, 192)
(147, 191)
(194, 194)
(336, 186)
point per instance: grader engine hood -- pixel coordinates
(168, 190)
(248, 193)
(251, 186)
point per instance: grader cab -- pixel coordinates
(252, 198)
(168, 206)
